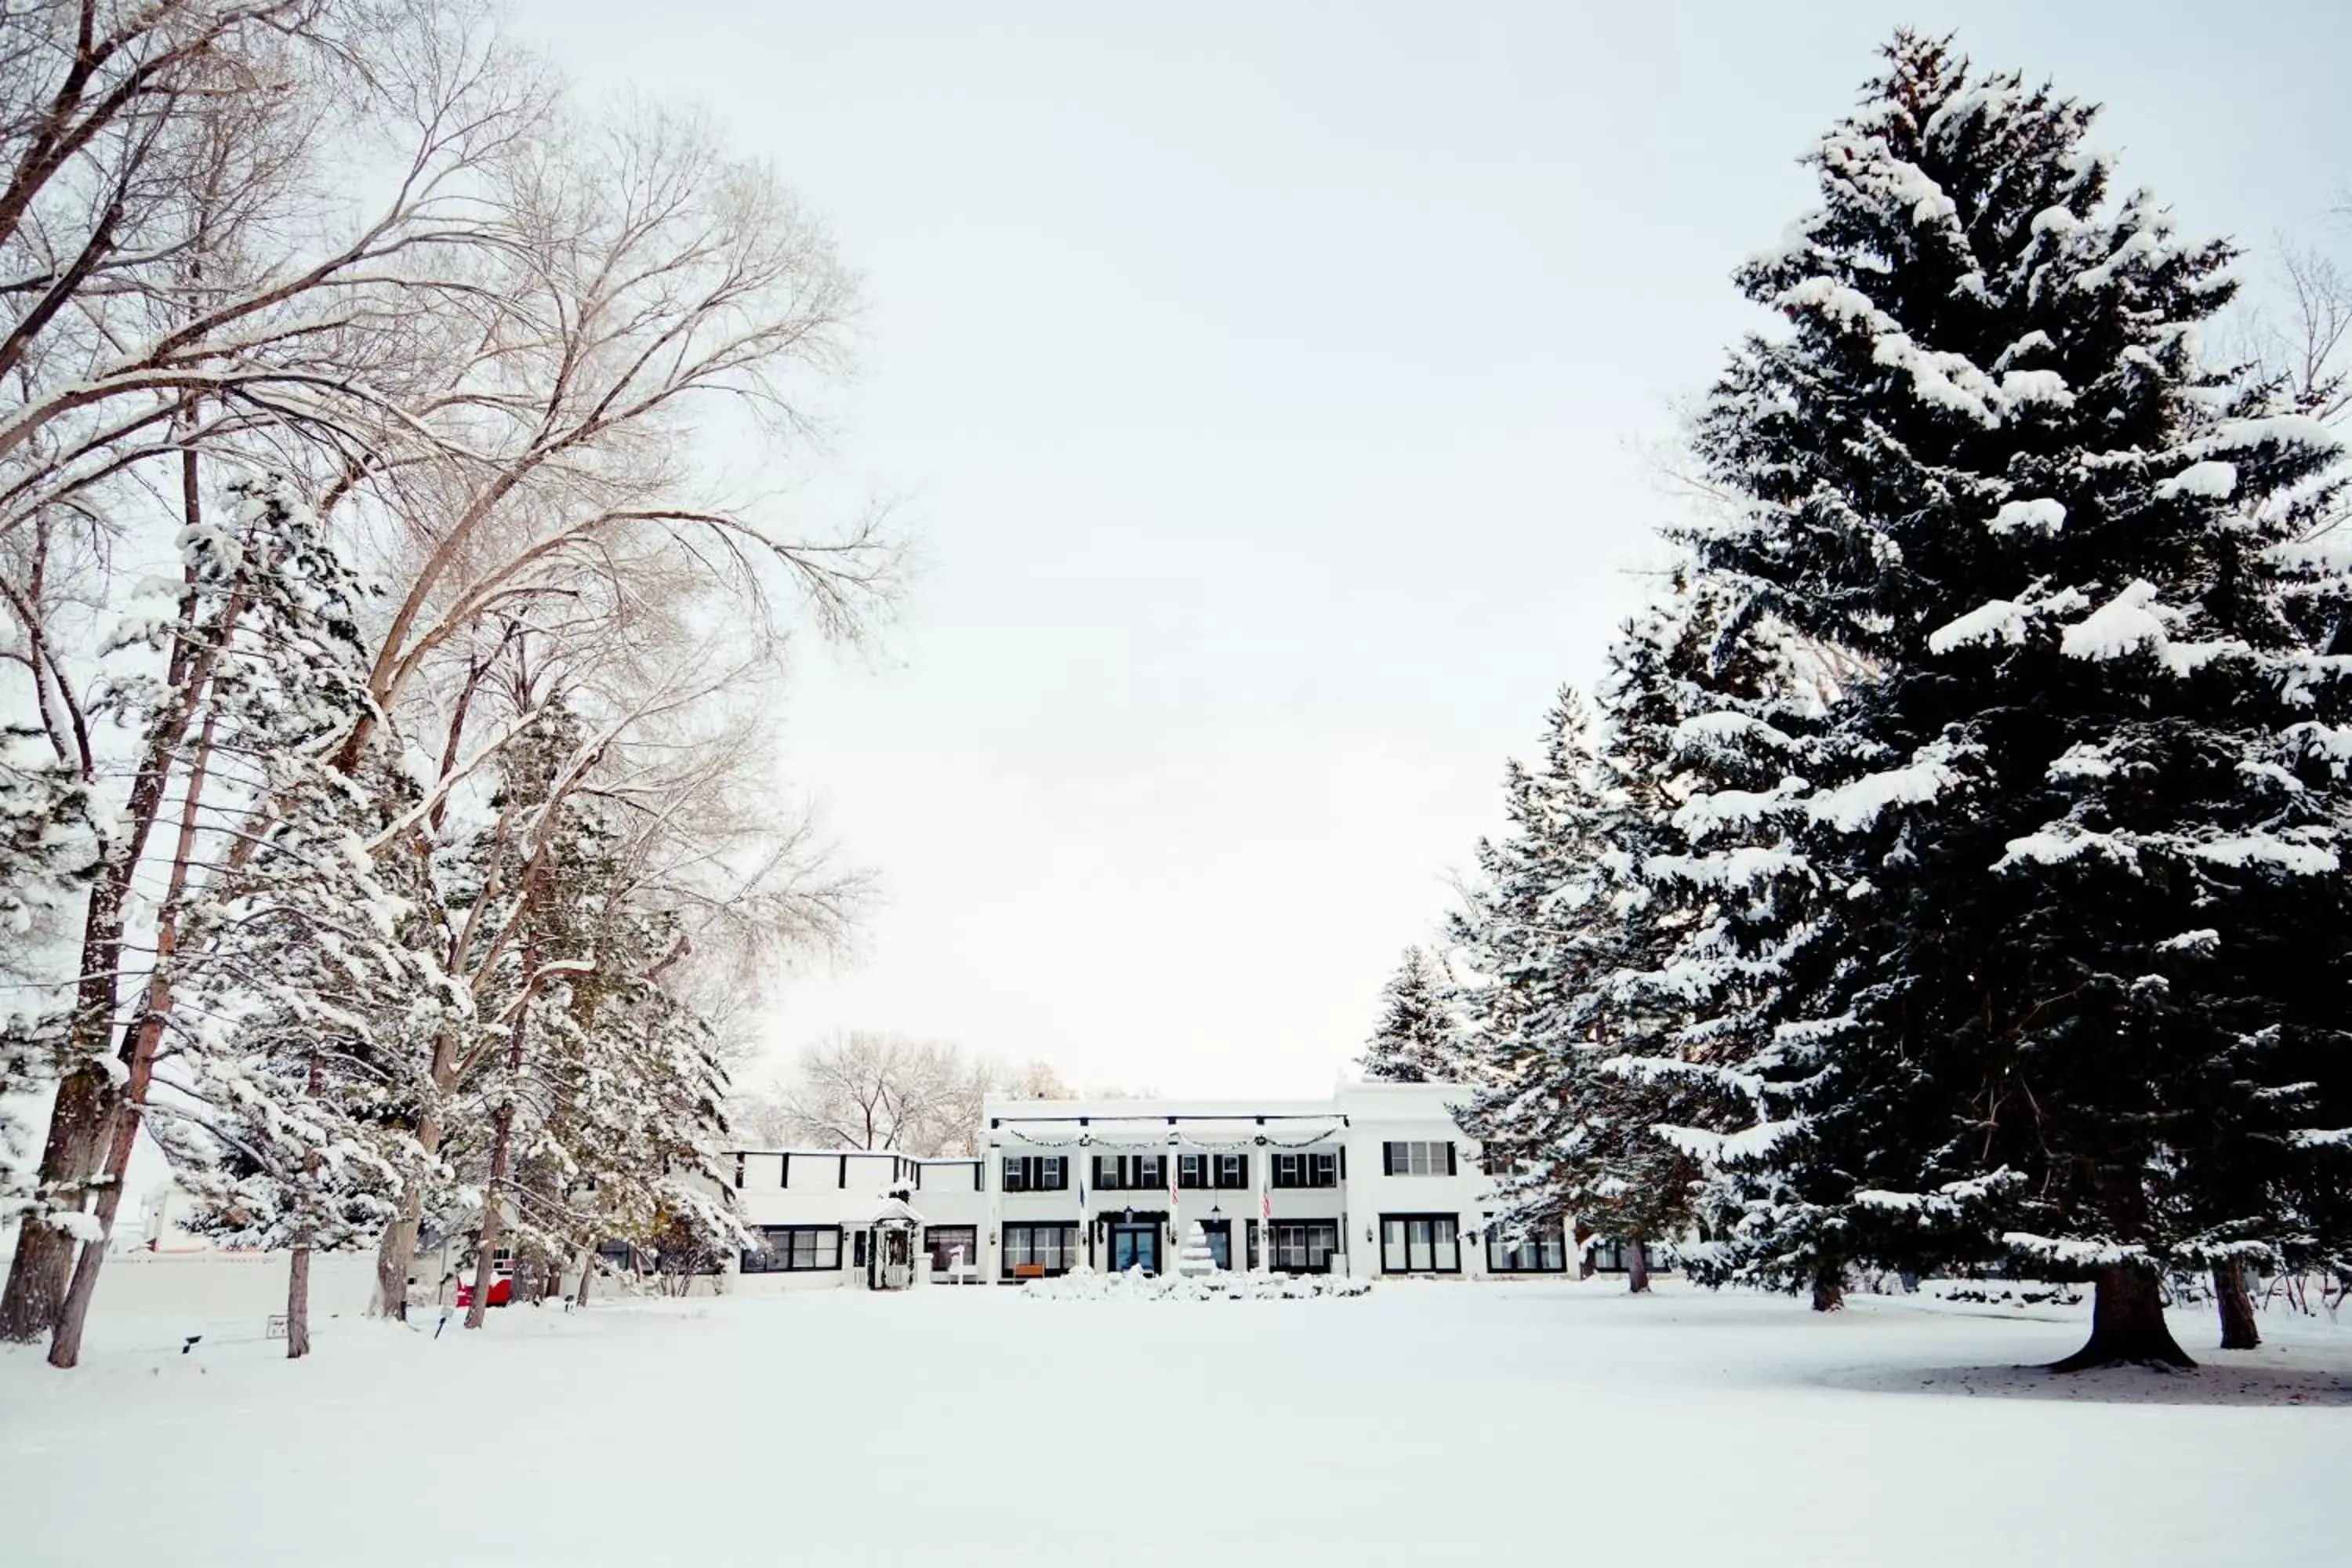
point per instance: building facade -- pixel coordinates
(1377, 1181)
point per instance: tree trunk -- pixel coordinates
(73, 1312)
(1637, 1269)
(64, 1343)
(82, 1114)
(2126, 1323)
(297, 1300)
(396, 1253)
(2237, 1308)
(587, 1272)
(1829, 1287)
(501, 1163)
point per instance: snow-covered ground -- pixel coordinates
(1420, 1425)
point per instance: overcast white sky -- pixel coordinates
(1270, 389)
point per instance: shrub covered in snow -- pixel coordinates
(1134, 1285)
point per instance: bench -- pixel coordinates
(1028, 1271)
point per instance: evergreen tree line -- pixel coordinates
(1947, 871)
(388, 828)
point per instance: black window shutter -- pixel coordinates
(1449, 1160)
(1343, 1162)
(1389, 1152)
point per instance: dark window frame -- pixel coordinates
(1038, 1173)
(1501, 1260)
(1301, 1169)
(1306, 1245)
(939, 1240)
(1609, 1257)
(1453, 1221)
(1071, 1246)
(780, 1259)
(1396, 1157)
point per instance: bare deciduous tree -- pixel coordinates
(360, 245)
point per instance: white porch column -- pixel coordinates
(992, 1182)
(1081, 1171)
(1263, 1157)
(1175, 1217)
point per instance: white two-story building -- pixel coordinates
(1376, 1181)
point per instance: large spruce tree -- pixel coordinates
(1536, 934)
(2080, 809)
(1414, 1041)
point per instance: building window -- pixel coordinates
(1306, 1170)
(1035, 1174)
(795, 1249)
(941, 1241)
(1417, 1159)
(1540, 1250)
(1199, 1170)
(1421, 1244)
(1132, 1173)
(1034, 1249)
(1305, 1245)
(1613, 1257)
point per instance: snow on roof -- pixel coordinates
(797, 1152)
(1152, 1110)
(892, 1209)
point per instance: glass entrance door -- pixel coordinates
(1218, 1235)
(1135, 1246)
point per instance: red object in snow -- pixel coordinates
(501, 1291)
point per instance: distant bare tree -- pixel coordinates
(865, 1091)
(868, 1091)
(2300, 331)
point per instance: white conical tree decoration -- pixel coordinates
(1194, 1260)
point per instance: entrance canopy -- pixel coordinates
(894, 1211)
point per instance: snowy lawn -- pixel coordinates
(1424, 1425)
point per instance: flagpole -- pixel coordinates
(1175, 1237)
(1265, 1209)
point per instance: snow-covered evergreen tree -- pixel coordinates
(2082, 818)
(48, 847)
(293, 974)
(1706, 723)
(592, 1110)
(1548, 930)
(1415, 1041)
